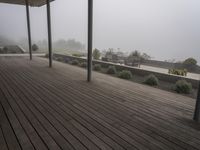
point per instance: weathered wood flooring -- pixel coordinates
(43, 108)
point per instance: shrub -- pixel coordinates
(47, 55)
(97, 67)
(151, 80)
(75, 62)
(190, 61)
(104, 65)
(181, 72)
(59, 59)
(125, 74)
(96, 54)
(66, 60)
(111, 70)
(83, 64)
(77, 55)
(35, 47)
(183, 86)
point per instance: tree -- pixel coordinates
(5, 50)
(190, 61)
(35, 47)
(134, 58)
(135, 54)
(96, 54)
(145, 56)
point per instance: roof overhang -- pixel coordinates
(34, 3)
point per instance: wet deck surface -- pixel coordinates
(42, 108)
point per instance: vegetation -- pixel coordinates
(136, 57)
(2, 51)
(111, 70)
(5, 50)
(77, 55)
(35, 47)
(97, 67)
(96, 54)
(66, 60)
(182, 86)
(125, 74)
(151, 80)
(59, 59)
(83, 64)
(190, 61)
(181, 72)
(47, 55)
(75, 62)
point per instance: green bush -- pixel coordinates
(111, 70)
(77, 55)
(97, 67)
(66, 60)
(35, 47)
(96, 54)
(183, 86)
(59, 59)
(47, 55)
(190, 61)
(151, 80)
(125, 74)
(83, 64)
(180, 72)
(75, 62)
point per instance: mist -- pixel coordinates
(164, 29)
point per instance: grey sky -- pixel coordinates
(164, 29)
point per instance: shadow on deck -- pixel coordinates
(42, 108)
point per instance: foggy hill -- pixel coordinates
(5, 41)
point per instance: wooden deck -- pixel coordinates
(42, 108)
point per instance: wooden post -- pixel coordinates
(29, 29)
(90, 39)
(197, 108)
(49, 32)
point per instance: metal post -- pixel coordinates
(29, 29)
(90, 37)
(197, 108)
(49, 32)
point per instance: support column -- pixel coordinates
(197, 108)
(29, 29)
(90, 39)
(49, 32)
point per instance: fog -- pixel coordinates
(164, 29)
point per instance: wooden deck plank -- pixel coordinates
(16, 125)
(48, 97)
(45, 137)
(49, 127)
(9, 135)
(3, 144)
(76, 109)
(26, 126)
(117, 114)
